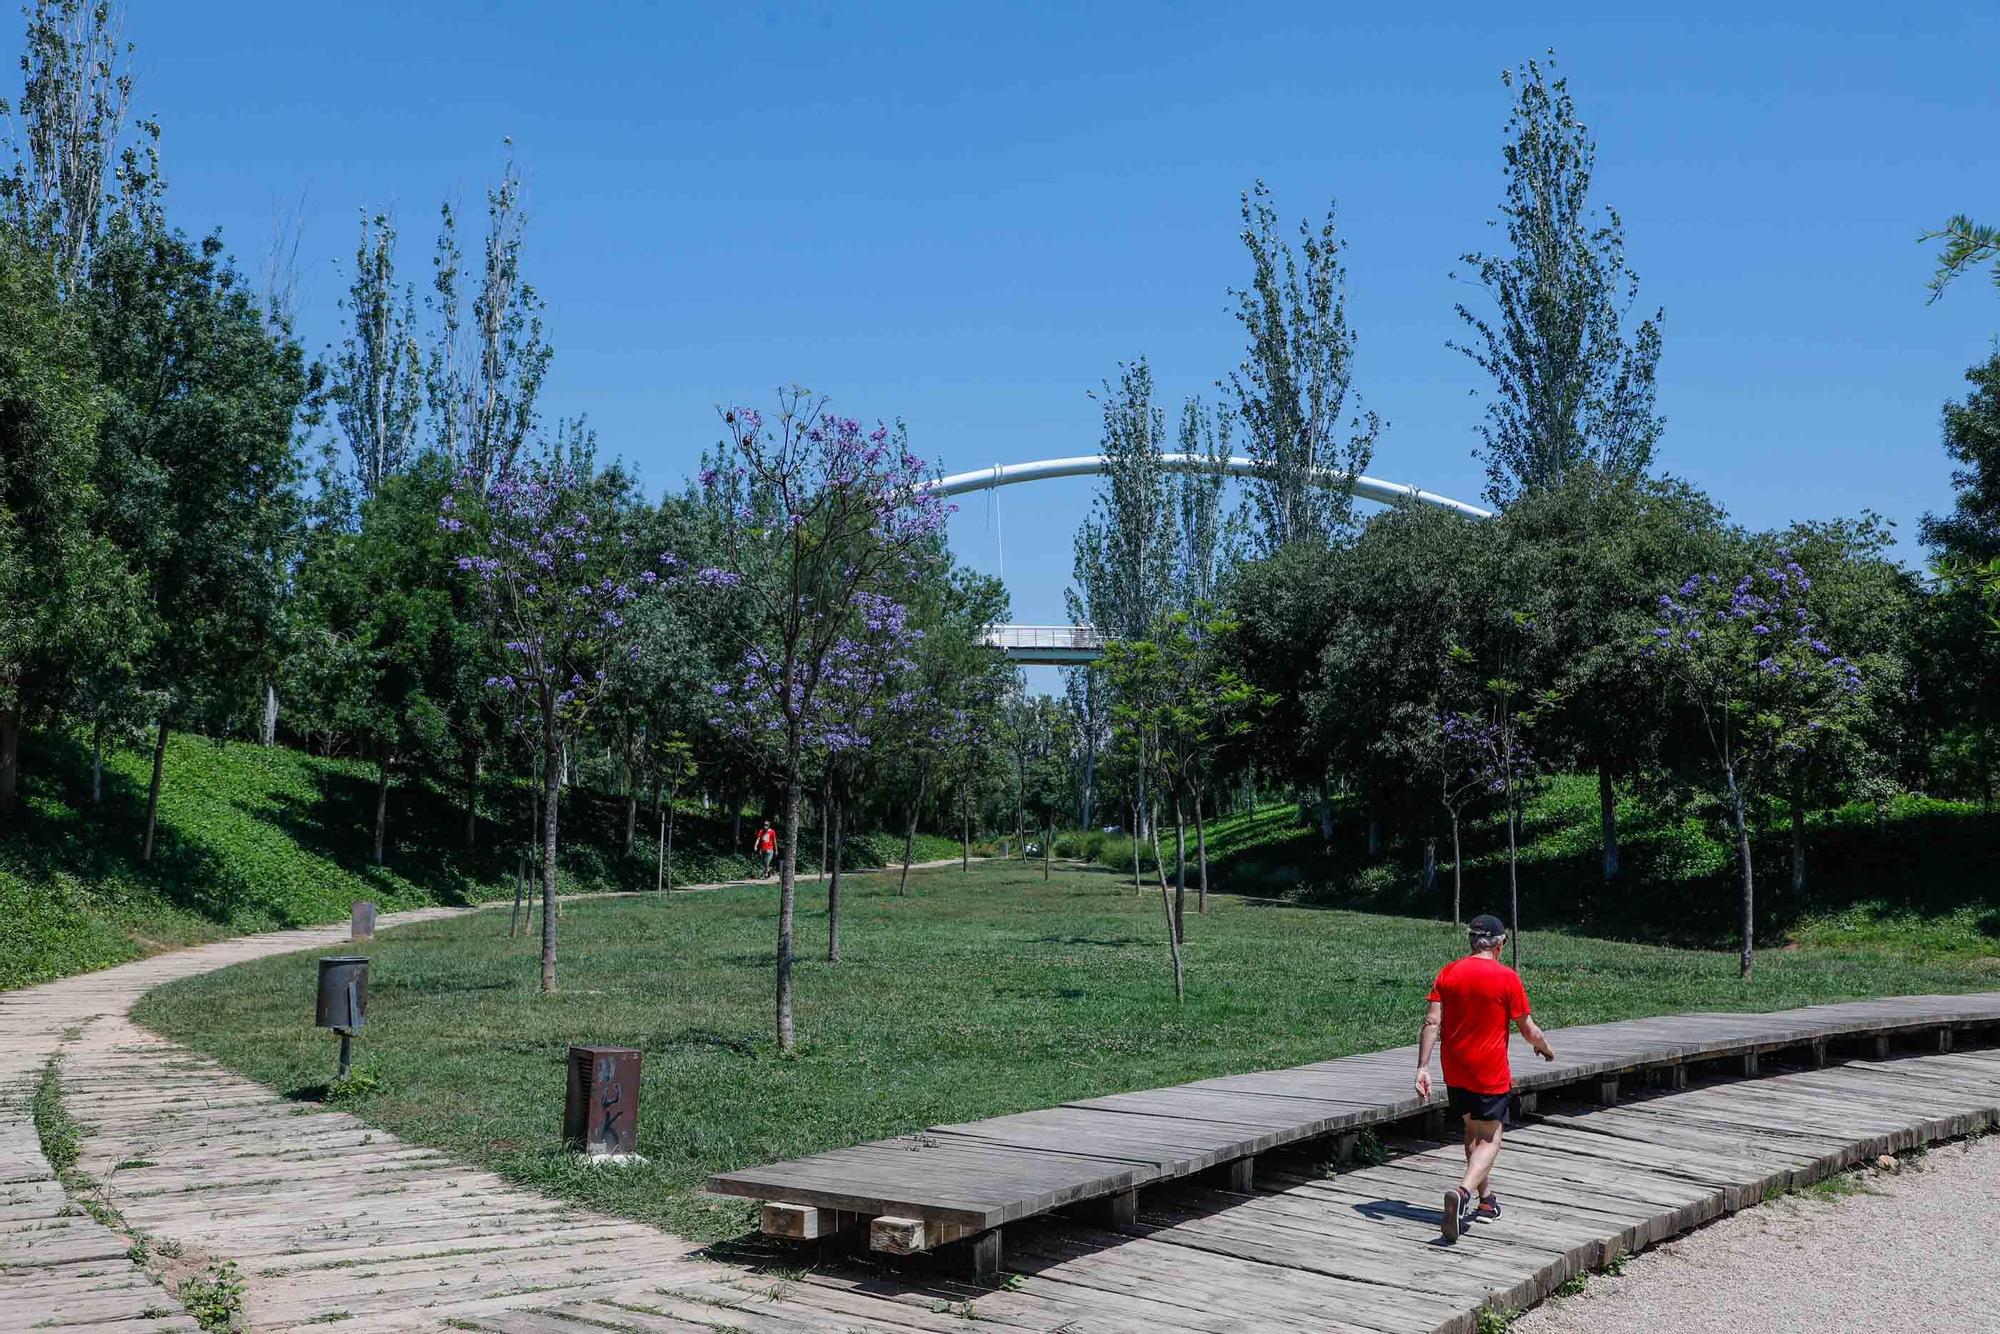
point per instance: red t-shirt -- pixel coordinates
(767, 839)
(1481, 998)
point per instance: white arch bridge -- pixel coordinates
(1068, 645)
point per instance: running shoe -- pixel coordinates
(1459, 1209)
(1489, 1205)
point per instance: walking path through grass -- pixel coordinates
(132, 1171)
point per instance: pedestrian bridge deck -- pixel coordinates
(954, 1183)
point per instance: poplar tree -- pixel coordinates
(1294, 388)
(1571, 388)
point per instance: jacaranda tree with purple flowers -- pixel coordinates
(821, 516)
(558, 585)
(1748, 658)
(865, 692)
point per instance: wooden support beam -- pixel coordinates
(1878, 1046)
(1817, 1054)
(1526, 1103)
(1746, 1065)
(977, 1257)
(1944, 1039)
(802, 1222)
(911, 1236)
(1345, 1146)
(1118, 1210)
(1240, 1175)
(1603, 1092)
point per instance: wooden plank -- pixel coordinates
(909, 1236)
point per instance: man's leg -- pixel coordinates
(1481, 1149)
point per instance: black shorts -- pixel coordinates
(1479, 1106)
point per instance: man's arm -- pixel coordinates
(1426, 1043)
(1532, 1031)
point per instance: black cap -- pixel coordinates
(1486, 924)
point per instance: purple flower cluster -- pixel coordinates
(1761, 620)
(858, 684)
(554, 583)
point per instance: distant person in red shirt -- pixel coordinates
(1471, 1004)
(767, 843)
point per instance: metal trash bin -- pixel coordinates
(361, 921)
(601, 1111)
(343, 992)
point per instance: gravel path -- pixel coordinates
(1916, 1253)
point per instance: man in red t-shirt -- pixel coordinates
(767, 843)
(1471, 1004)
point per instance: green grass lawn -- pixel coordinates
(977, 994)
(1916, 875)
(253, 838)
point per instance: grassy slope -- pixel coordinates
(254, 838)
(977, 994)
(1918, 877)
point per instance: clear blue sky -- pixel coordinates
(966, 216)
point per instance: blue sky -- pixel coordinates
(967, 216)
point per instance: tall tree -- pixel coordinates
(1570, 386)
(821, 512)
(1294, 385)
(557, 582)
(64, 596)
(376, 385)
(72, 121)
(1967, 245)
(1125, 549)
(1749, 660)
(197, 468)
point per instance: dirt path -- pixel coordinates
(1915, 1252)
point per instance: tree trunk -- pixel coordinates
(1048, 845)
(1798, 843)
(1089, 777)
(1428, 880)
(825, 814)
(1180, 870)
(96, 763)
(788, 884)
(1747, 924)
(10, 759)
(668, 859)
(382, 762)
(660, 842)
(833, 894)
(520, 888)
(736, 822)
(1513, 876)
(472, 766)
(270, 733)
(910, 834)
(153, 789)
(551, 798)
(1159, 862)
(1607, 815)
(1137, 887)
(631, 815)
(1374, 836)
(1201, 860)
(1173, 943)
(964, 827)
(1457, 876)
(1325, 814)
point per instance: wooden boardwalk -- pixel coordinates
(957, 1181)
(1355, 1250)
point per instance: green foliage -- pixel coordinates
(215, 1298)
(1293, 387)
(1967, 245)
(1571, 390)
(974, 995)
(259, 838)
